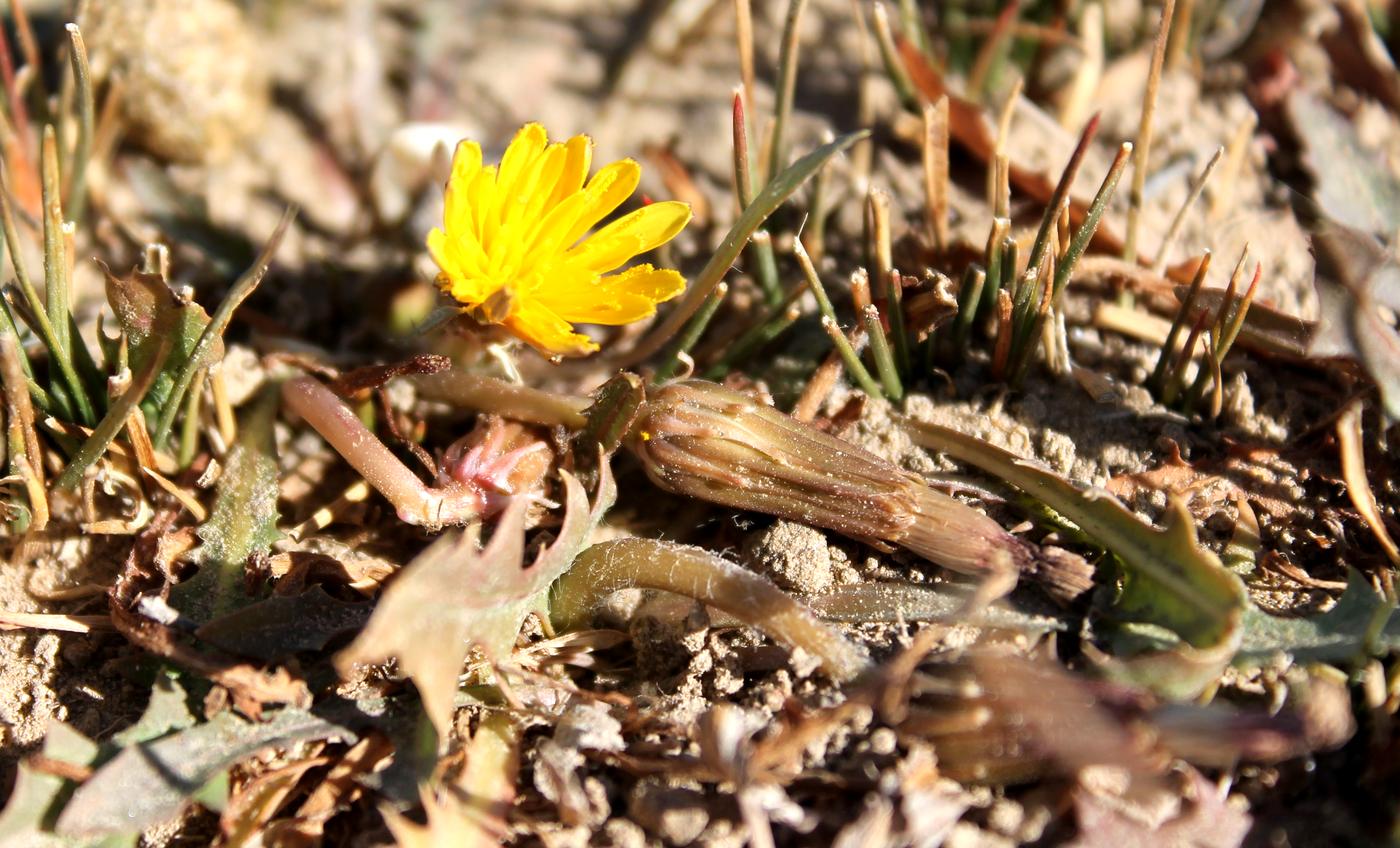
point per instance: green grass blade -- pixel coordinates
(214, 331)
(768, 200)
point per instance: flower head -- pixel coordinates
(515, 246)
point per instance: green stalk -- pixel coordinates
(880, 352)
(969, 297)
(1085, 233)
(764, 204)
(996, 253)
(1064, 268)
(82, 150)
(851, 358)
(689, 336)
(774, 323)
(889, 56)
(1223, 339)
(112, 423)
(854, 367)
(57, 303)
(1177, 380)
(1157, 382)
(761, 261)
(787, 87)
(214, 330)
(1061, 194)
(71, 391)
(189, 428)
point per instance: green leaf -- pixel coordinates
(150, 313)
(244, 521)
(208, 346)
(167, 711)
(1169, 578)
(38, 797)
(148, 782)
(1357, 626)
(284, 625)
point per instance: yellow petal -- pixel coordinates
(466, 161)
(527, 145)
(578, 155)
(483, 195)
(551, 335)
(637, 232)
(612, 184)
(458, 216)
(526, 209)
(615, 299)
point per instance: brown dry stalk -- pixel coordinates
(935, 161)
(818, 387)
(1223, 196)
(1077, 96)
(999, 162)
(1169, 240)
(1350, 444)
(1143, 143)
(54, 621)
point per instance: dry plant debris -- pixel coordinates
(867, 469)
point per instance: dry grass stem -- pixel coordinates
(1078, 96)
(1143, 142)
(818, 387)
(54, 621)
(787, 88)
(1169, 240)
(1132, 322)
(935, 161)
(1222, 197)
(1351, 446)
(999, 161)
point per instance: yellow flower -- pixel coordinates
(515, 248)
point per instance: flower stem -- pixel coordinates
(694, 572)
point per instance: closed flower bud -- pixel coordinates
(700, 439)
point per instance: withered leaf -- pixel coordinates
(456, 594)
(1351, 184)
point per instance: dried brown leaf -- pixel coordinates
(1349, 440)
(456, 594)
